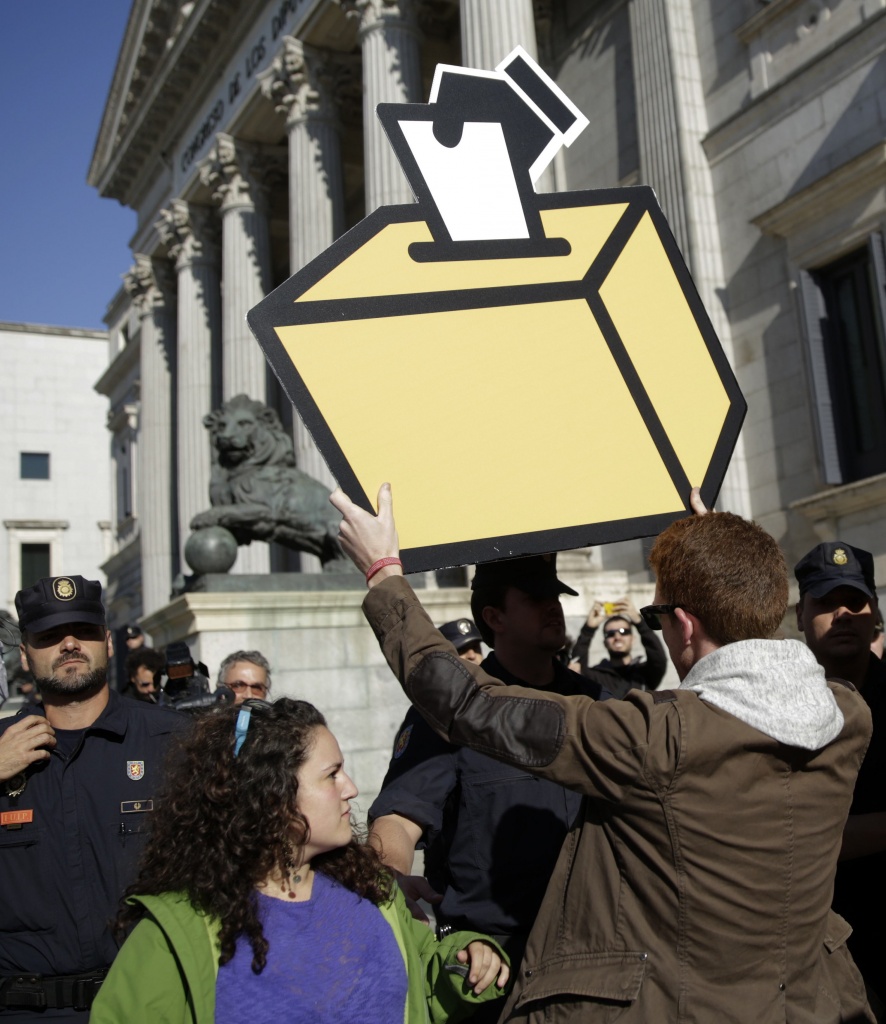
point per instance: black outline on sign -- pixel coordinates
(280, 308)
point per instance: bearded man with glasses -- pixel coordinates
(696, 882)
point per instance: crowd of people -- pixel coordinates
(596, 847)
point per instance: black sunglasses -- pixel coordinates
(621, 631)
(652, 611)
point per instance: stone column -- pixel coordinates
(189, 233)
(389, 38)
(672, 122)
(300, 83)
(658, 116)
(490, 30)
(150, 286)
(233, 170)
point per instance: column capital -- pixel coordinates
(380, 14)
(148, 284)
(300, 82)
(190, 232)
(236, 172)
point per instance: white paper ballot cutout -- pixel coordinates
(473, 183)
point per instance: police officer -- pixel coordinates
(465, 638)
(78, 778)
(492, 833)
(837, 612)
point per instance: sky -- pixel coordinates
(63, 249)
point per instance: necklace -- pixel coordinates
(288, 889)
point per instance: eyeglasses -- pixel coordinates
(621, 631)
(260, 688)
(652, 611)
(241, 726)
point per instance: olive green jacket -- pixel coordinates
(166, 971)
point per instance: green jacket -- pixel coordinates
(166, 971)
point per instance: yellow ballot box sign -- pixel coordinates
(537, 374)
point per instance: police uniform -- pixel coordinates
(72, 829)
(492, 833)
(858, 886)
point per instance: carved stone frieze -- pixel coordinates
(190, 232)
(163, 61)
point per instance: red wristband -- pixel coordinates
(380, 564)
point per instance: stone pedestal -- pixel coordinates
(312, 630)
(320, 650)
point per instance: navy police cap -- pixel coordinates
(461, 633)
(835, 564)
(55, 600)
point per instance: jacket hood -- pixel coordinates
(775, 686)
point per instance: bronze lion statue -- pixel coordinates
(257, 492)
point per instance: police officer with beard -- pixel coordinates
(78, 777)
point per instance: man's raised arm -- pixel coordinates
(556, 737)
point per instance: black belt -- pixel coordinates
(51, 992)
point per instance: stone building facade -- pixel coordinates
(56, 501)
(243, 135)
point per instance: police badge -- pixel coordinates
(64, 588)
(135, 770)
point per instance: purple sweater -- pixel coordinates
(332, 960)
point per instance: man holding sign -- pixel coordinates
(696, 883)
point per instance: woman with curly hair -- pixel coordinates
(256, 902)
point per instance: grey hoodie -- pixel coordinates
(775, 686)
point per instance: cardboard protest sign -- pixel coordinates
(530, 372)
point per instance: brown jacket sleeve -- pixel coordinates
(597, 748)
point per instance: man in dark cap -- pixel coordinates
(465, 638)
(134, 637)
(78, 778)
(491, 833)
(838, 612)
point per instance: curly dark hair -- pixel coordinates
(224, 824)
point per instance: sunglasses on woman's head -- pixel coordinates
(241, 727)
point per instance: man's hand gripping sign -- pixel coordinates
(509, 326)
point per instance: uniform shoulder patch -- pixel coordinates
(402, 742)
